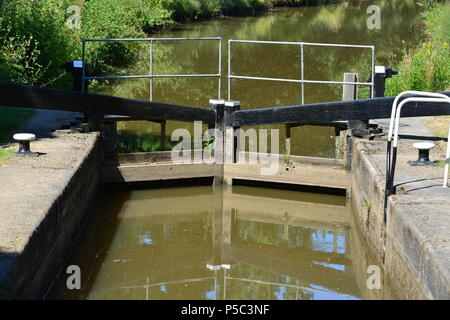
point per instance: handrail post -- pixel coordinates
(381, 74)
(78, 69)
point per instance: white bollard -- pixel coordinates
(24, 140)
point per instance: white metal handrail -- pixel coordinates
(394, 127)
(151, 75)
(405, 93)
(407, 100)
(302, 79)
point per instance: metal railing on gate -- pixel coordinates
(151, 75)
(302, 66)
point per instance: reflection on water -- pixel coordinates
(194, 243)
(343, 23)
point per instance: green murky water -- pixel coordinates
(248, 243)
(199, 243)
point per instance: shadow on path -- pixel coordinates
(46, 121)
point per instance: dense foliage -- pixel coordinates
(35, 38)
(427, 68)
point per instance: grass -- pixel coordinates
(5, 153)
(130, 143)
(427, 67)
(10, 121)
(439, 126)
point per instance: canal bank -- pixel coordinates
(414, 245)
(45, 201)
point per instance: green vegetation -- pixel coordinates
(130, 143)
(39, 24)
(11, 119)
(427, 67)
(35, 38)
(5, 153)
(367, 205)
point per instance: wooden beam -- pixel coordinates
(159, 171)
(299, 174)
(378, 108)
(17, 95)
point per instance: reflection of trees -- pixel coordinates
(250, 282)
(275, 234)
(134, 234)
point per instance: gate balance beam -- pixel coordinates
(16, 95)
(377, 108)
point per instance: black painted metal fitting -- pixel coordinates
(424, 154)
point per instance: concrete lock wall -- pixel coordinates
(29, 269)
(409, 250)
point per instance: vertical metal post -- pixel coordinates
(83, 53)
(380, 81)
(220, 69)
(76, 68)
(302, 59)
(373, 73)
(229, 69)
(151, 69)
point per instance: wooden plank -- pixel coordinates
(161, 171)
(306, 175)
(142, 157)
(329, 162)
(377, 108)
(325, 173)
(116, 118)
(17, 95)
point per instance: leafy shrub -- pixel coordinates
(39, 23)
(47, 42)
(427, 68)
(19, 60)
